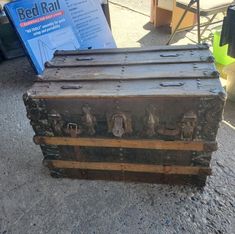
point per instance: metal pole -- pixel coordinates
(198, 22)
(208, 24)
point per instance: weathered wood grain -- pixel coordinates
(131, 72)
(122, 143)
(118, 89)
(133, 58)
(133, 49)
(195, 180)
(131, 167)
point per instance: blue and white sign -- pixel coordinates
(50, 25)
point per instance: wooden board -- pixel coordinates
(162, 17)
(140, 50)
(130, 167)
(188, 22)
(134, 72)
(195, 180)
(122, 143)
(63, 59)
(117, 89)
(135, 63)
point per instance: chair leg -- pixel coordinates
(208, 24)
(181, 19)
(198, 22)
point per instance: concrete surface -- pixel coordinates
(33, 202)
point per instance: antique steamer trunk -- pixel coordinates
(144, 114)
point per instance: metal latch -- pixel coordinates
(71, 87)
(169, 55)
(172, 84)
(72, 129)
(119, 125)
(85, 59)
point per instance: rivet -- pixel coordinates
(210, 59)
(215, 74)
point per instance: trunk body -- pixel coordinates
(149, 115)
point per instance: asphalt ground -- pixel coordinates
(33, 202)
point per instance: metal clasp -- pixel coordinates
(72, 129)
(119, 125)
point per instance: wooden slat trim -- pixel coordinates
(128, 63)
(131, 50)
(130, 167)
(49, 96)
(123, 143)
(143, 72)
(191, 76)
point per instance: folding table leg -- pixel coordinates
(198, 22)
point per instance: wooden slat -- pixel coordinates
(130, 50)
(130, 167)
(132, 72)
(122, 143)
(118, 63)
(107, 95)
(125, 89)
(198, 180)
(151, 57)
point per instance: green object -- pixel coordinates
(220, 52)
